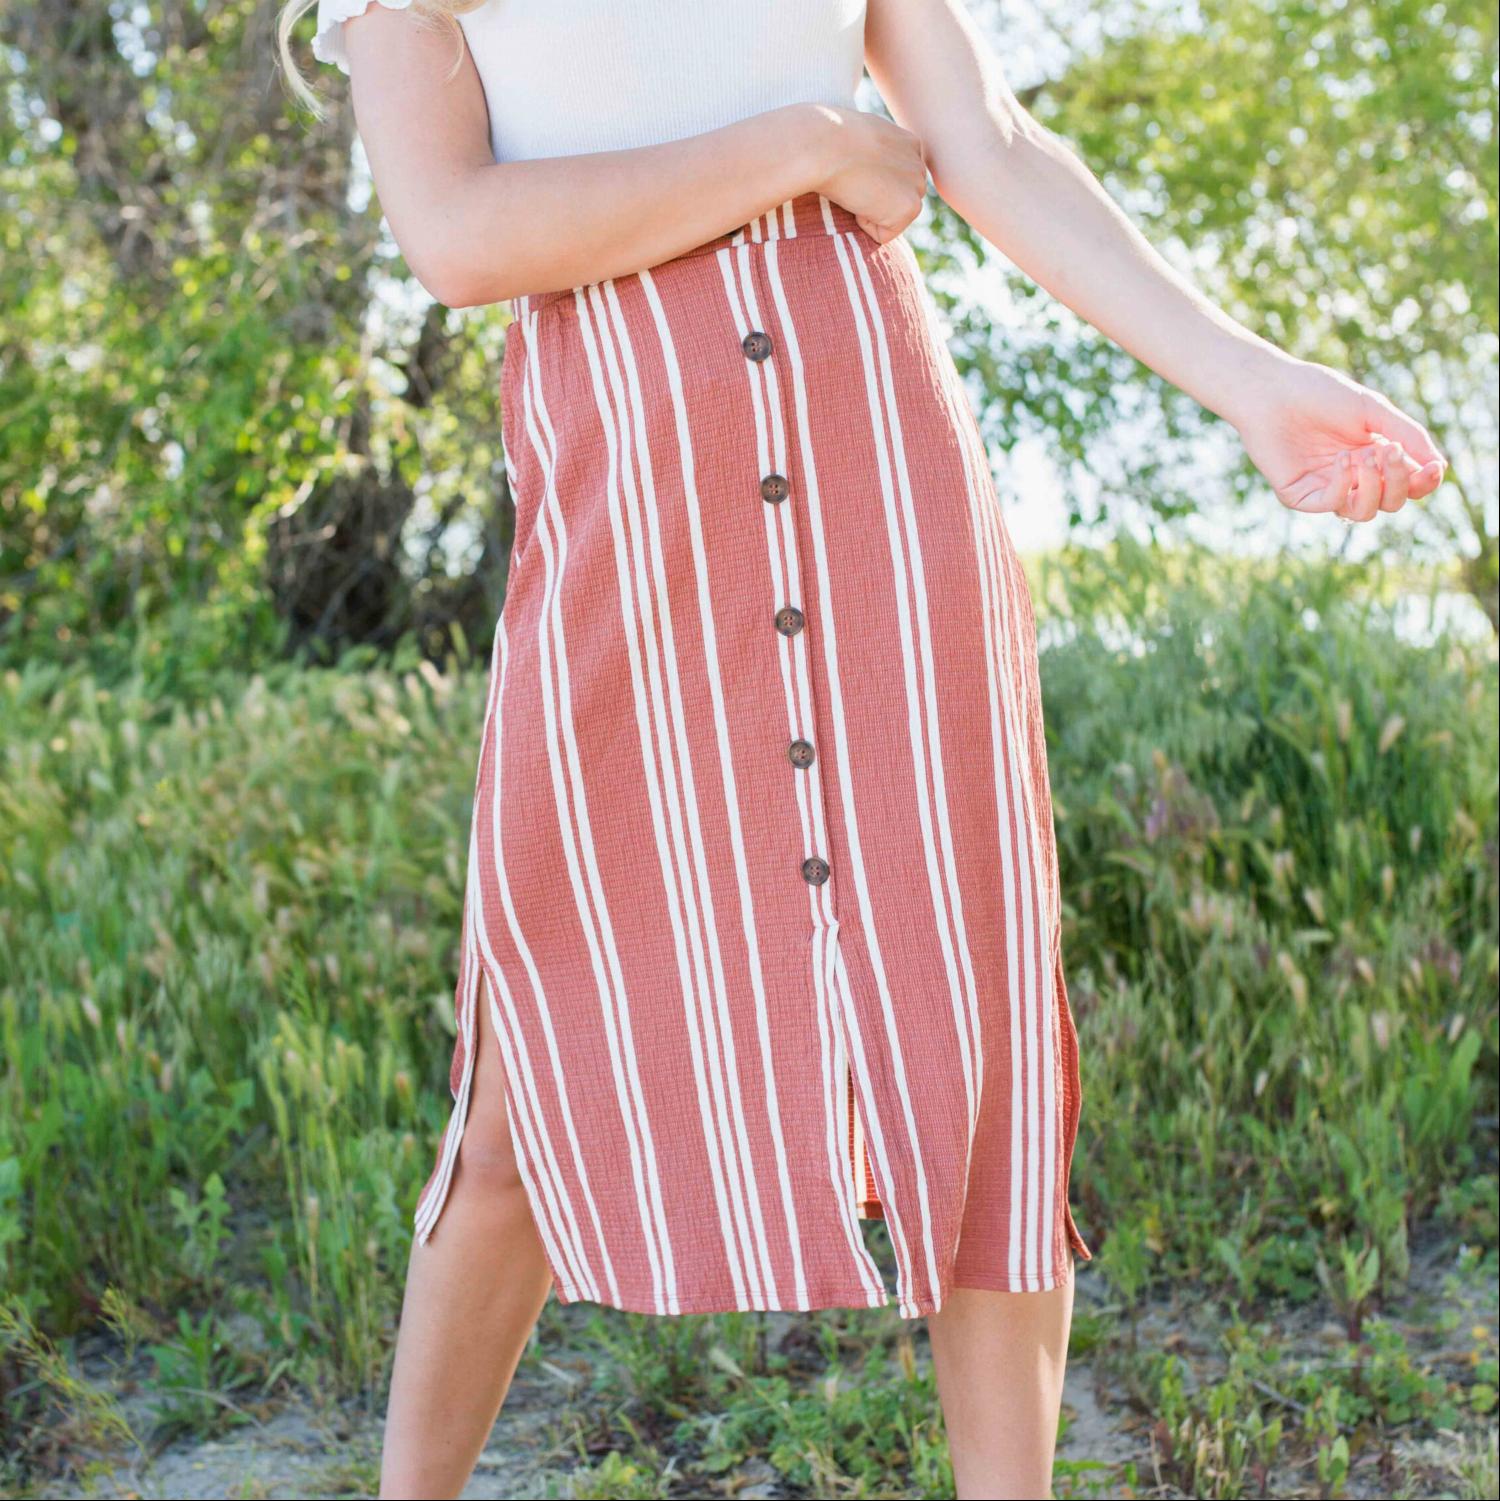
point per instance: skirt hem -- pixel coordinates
(1054, 1277)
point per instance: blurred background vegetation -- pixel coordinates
(253, 530)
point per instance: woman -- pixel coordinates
(761, 926)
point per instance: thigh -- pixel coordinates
(486, 1153)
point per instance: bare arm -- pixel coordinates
(1026, 191)
(475, 231)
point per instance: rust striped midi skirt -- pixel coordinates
(762, 899)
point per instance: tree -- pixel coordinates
(1327, 171)
(225, 431)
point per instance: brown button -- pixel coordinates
(789, 620)
(814, 871)
(774, 488)
(801, 753)
(757, 346)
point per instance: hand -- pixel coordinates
(1327, 443)
(875, 169)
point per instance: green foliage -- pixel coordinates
(1328, 173)
(228, 931)
(1268, 1415)
(48, 1405)
(226, 950)
(193, 1373)
(1276, 818)
(227, 427)
(838, 1405)
(867, 1426)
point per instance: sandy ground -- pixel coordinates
(300, 1451)
(298, 1448)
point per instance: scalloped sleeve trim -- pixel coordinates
(328, 39)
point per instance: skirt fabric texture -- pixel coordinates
(762, 898)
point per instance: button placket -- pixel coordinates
(789, 619)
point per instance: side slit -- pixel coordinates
(461, 1075)
(1072, 1100)
(866, 1198)
(548, 1223)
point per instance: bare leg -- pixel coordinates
(473, 1293)
(999, 1360)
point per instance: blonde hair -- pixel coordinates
(442, 14)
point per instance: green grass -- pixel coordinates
(228, 931)
(1277, 825)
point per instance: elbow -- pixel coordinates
(446, 245)
(454, 281)
(455, 265)
(1008, 142)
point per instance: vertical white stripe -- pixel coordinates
(522, 1067)
(582, 861)
(1033, 947)
(1046, 917)
(905, 1279)
(905, 610)
(781, 549)
(658, 749)
(430, 1204)
(726, 768)
(857, 1157)
(697, 866)
(473, 938)
(558, 1071)
(1003, 761)
(836, 1086)
(671, 736)
(1034, 944)
(527, 1132)
(835, 1060)
(873, 1125)
(1034, 1220)
(782, 587)
(915, 629)
(567, 1279)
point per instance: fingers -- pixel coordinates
(1405, 478)
(1367, 482)
(1426, 479)
(1381, 477)
(1399, 468)
(1335, 497)
(1319, 492)
(1396, 426)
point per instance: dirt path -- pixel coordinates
(1445, 1325)
(300, 1451)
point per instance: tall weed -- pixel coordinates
(228, 935)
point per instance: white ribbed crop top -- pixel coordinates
(562, 77)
